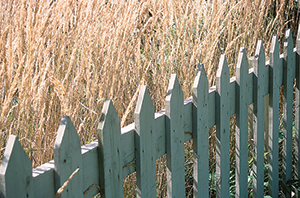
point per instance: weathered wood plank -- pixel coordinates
(222, 126)
(297, 108)
(261, 73)
(175, 139)
(241, 170)
(200, 135)
(289, 72)
(44, 176)
(275, 78)
(128, 150)
(110, 152)
(67, 158)
(90, 182)
(145, 160)
(15, 171)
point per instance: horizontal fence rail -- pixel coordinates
(100, 166)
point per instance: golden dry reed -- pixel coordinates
(67, 56)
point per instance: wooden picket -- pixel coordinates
(67, 158)
(101, 166)
(242, 125)
(15, 171)
(110, 165)
(145, 159)
(289, 75)
(175, 140)
(261, 85)
(200, 134)
(275, 82)
(222, 128)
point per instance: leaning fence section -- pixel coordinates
(100, 166)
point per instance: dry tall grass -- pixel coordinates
(66, 56)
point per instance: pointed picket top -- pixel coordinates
(289, 73)
(261, 87)
(15, 171)
(298, 40)
(201, 81)
(222, 128)
(260, 68)
(200, 135)
(199, 68)
(67, 158)
(242, 124)
(145, 159)
(242, 67)
(110, 164)
(274, 60)
(275, 65)
(289, 53)
(175, 139)
(108, 112)
(223, 74)
(144, 102)
(174, 90)
(288, 42)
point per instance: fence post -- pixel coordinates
(242, 125)
(145, 159)
(175, 140)
(288, 81)
(67, 159)
(200, 135)
(110, 164)
(261, 76)
(223, 129)
(274, 116)
(15, 171)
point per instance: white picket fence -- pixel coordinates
(100, 166)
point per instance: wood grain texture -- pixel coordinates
(16, 171)
(241, 171)
(275, 72)
(175, 140)
(261, 76)
(110, 152)
(67, 158)
(288, 81)
(121, 152)
(222, 126)
(145, 156)
(200, 135)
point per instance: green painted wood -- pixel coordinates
(222, 129)
(145, 156)
(288, 81)
(297, 106)
(241, 170)
(261, 78)
(90, 169)
(200, 135)
(15, 171)
(44, 176)
(275, 72)
(175, 140)
(110, 152)
(160, 134)
(67, 158)
(128, 150)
